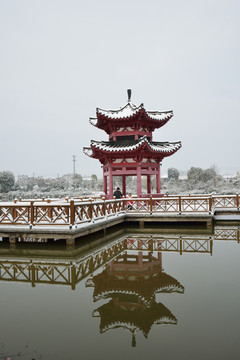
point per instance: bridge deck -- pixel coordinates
(73, 232)
(71, 218)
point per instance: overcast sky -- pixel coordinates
(60, 59)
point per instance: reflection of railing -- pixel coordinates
(70, 212)
(70, 273)
(36, 272)
(172, 244)
(227, 233)
(58, 273)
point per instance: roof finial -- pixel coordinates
(133, 340)
(129, 91)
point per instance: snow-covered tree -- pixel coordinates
(195, 174)
(173, 173)
(7, 181)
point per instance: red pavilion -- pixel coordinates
(130, 150)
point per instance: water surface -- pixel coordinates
(170, 295)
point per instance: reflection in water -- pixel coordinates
(132, 281)
(227, 233)
(55, 272)
(72, 271)
(130, 277)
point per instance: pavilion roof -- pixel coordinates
(107, 285)
(129, 111)
(139, 318)
(166, 148)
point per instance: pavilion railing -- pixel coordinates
(76, 211)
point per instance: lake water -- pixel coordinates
(170, 294)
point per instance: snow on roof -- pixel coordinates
(157, 115)
(130, 145)
(87, 151)
(93, 121)
(130, 110)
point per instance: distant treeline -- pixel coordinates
(197, 180)
(200, 181)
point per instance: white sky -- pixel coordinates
(60, 59)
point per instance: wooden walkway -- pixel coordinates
(72, 218)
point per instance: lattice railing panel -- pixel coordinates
(196, 245)
(98, 210)
(14, 215)
(166, 205)
(179, 244)
(60, 215)
(146, 244)
(120, 206)
(51, 215)
(140, 205)
(227, 233)
(35, 272)
(52, 273)
(110, 209)
(14, 271)
(194, 205)
(81, 213)
(224, 202)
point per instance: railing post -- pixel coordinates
(237, 200)
(104, 207)
(122, 208)
(33, 277)
(72, 212)
(211, 245)
(181, 245)
(31, 213)
(124, 204)
(210, 204)
(115, 206)
(151, 205)
(90, 211)
(13, 213)
(73, 277)
(180, 204)
(50, 212)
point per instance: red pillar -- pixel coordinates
(149, 184)
(124, 185)
(158, 180)
(110, 182)
(104, 183)
(139, 181)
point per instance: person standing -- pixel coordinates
(117, 193)
(129, 202)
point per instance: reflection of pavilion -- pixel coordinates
(132, 282)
